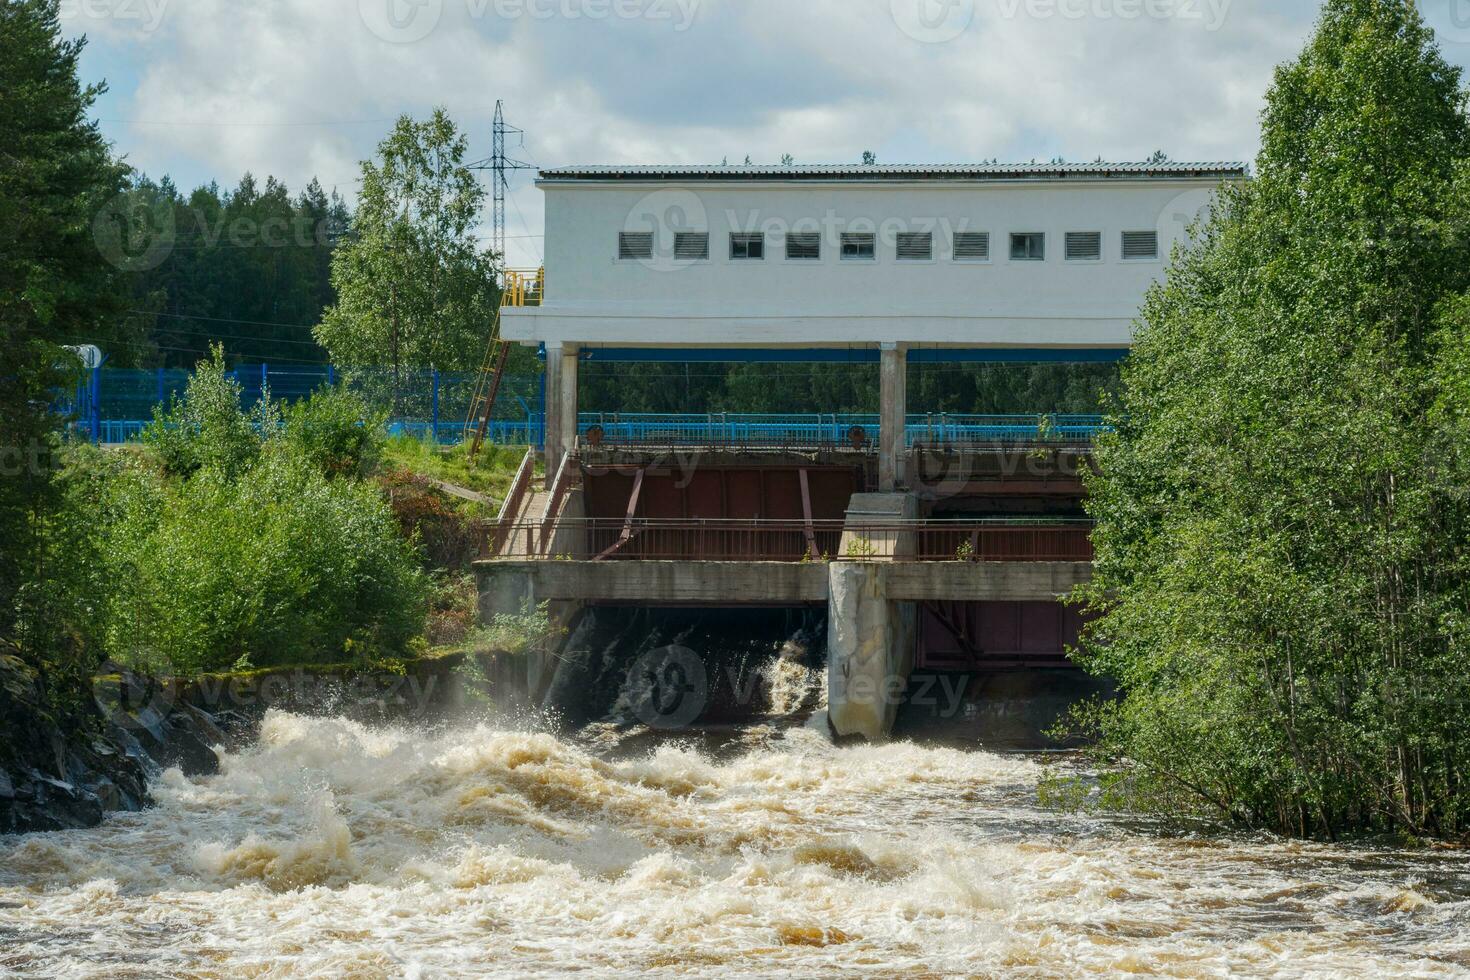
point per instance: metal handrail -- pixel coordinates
(854, 430)
(523, 287)
(511, 506)
(742, 539)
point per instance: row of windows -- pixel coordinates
(916, 246)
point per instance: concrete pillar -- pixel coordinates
(870, 650)
(892, 414)
(570, 358)
(509, 588)
(552, 409)
(870, 637)
(561, 403)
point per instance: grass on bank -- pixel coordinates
(490, 473)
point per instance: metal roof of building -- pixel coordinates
(913, 171)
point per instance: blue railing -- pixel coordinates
(941, 429)
(829, 429)
(115, 404)
(725, 429)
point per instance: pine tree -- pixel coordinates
(57, 180)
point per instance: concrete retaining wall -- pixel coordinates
(505, 584)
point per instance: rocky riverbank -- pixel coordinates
(63, 770)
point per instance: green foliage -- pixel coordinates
(414, 288)
(251, 542)
(529, 631)
(249, 267)
(847, 388)
(205, 427)
(491, 472)
(278, 565)
(1282, 520)
(337, 430)
(56, 178)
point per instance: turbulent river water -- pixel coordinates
(332, 849)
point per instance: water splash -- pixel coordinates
(791, 685)
(334, 849)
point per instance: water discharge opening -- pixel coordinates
(677, 669)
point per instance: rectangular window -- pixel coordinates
(747, 245)
(972, 245)
(803, 245)
(635, 244)
(1028, 246)
(691, 245)
(859, 245)
(1140, 244)
(1084, 246)
(915, 246)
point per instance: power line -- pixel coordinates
(469, 110)
(150, 348)
(221, 319)
(498, 165)
(212, 335)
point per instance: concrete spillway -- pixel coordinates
(896, 591)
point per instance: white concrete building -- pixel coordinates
(1038, 260)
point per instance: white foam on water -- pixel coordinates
(792, 686)
(332, 849)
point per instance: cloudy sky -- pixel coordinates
(208, 89)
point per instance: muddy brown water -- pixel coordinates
(334, 849)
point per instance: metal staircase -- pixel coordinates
(520, 287)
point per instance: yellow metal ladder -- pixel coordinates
(520, 287)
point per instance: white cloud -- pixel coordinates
(302, 88)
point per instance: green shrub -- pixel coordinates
(206, 427)
(337, 430)
(280, 565)
(246, 538)
(529, 631)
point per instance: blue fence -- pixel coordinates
(114, 405)
(830, 429)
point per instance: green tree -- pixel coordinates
(248, 268)
(414, 287)
(57, 180)
(256, 538)
(1282, 524)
